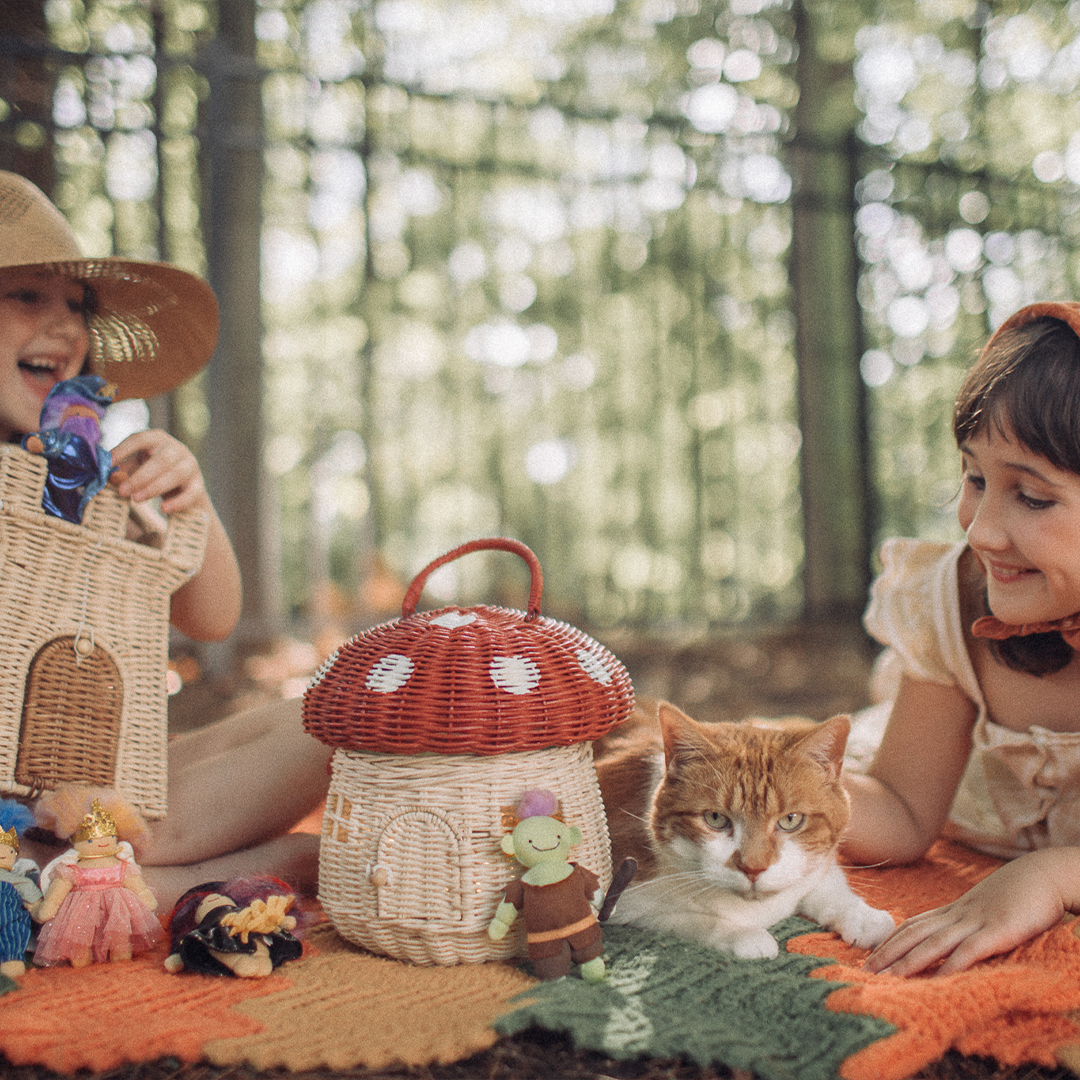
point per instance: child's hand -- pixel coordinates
(152, 463)
(1022, 899)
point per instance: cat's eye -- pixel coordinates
(791, 822)
(715, 820)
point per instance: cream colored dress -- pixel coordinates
(1021, 790)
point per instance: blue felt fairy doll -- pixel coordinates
(19, 892)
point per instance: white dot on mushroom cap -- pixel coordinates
(389, 674)
(593, 666)
(514, 674)
(451, 620)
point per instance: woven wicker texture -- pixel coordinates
(442, 721)
(410, 864)
(479, 680)
(84, 616)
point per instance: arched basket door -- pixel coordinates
(422, 858)
(71, 716)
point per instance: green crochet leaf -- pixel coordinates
(665, 997)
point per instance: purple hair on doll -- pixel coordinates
(90, 391)
(537, 802)
(237, 927)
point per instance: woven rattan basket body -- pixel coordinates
(410, 864)
(85, 622)
(441, 721)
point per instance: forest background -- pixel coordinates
(678, 292)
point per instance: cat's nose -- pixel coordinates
(752, 872)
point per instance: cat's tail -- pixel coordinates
(623, 876)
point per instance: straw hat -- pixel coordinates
(152, 325)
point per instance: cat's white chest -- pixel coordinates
(688, 904)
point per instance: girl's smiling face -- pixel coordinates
(1022, 518)
(43, 339)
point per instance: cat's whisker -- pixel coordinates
(679, 877)
(690, 885)
(688, 872)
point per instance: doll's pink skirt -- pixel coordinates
(107, 920)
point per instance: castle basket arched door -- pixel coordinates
(71, 716)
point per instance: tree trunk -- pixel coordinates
(27, 81)
(233, 467)
(836, 499)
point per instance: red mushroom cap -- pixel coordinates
(479, 680)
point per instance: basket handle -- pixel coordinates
(492, 543)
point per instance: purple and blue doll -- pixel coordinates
(70, 440)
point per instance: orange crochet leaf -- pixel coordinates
(1012, 1007)
(67, 1019)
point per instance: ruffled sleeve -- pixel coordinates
(914, 609)
(66, 871)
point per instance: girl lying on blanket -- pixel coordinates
(984, 729)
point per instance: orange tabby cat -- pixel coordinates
(735, 827)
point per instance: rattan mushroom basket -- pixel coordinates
(441, 720)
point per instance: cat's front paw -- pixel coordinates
(865, 927)
(751, 945)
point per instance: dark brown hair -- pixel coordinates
(1026, 385)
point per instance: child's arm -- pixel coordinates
(899, 808)
(152, 463)
(1022, 899)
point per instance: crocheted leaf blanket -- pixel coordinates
(337, 1007)
(813, 1013)
(668, 998)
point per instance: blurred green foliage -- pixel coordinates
(525, 267)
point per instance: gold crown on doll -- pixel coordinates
(99, 822)
(10, 838)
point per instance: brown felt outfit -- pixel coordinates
(560, 923)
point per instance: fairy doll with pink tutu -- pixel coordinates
(96, 906)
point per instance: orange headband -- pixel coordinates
(1067, 311)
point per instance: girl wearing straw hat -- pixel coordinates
(147, 327)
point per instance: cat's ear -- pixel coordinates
(826, 742)
(679, 732)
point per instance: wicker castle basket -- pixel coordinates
(441, 720)
(84, 618)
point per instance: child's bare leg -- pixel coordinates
(237, 783)
(293, 858)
